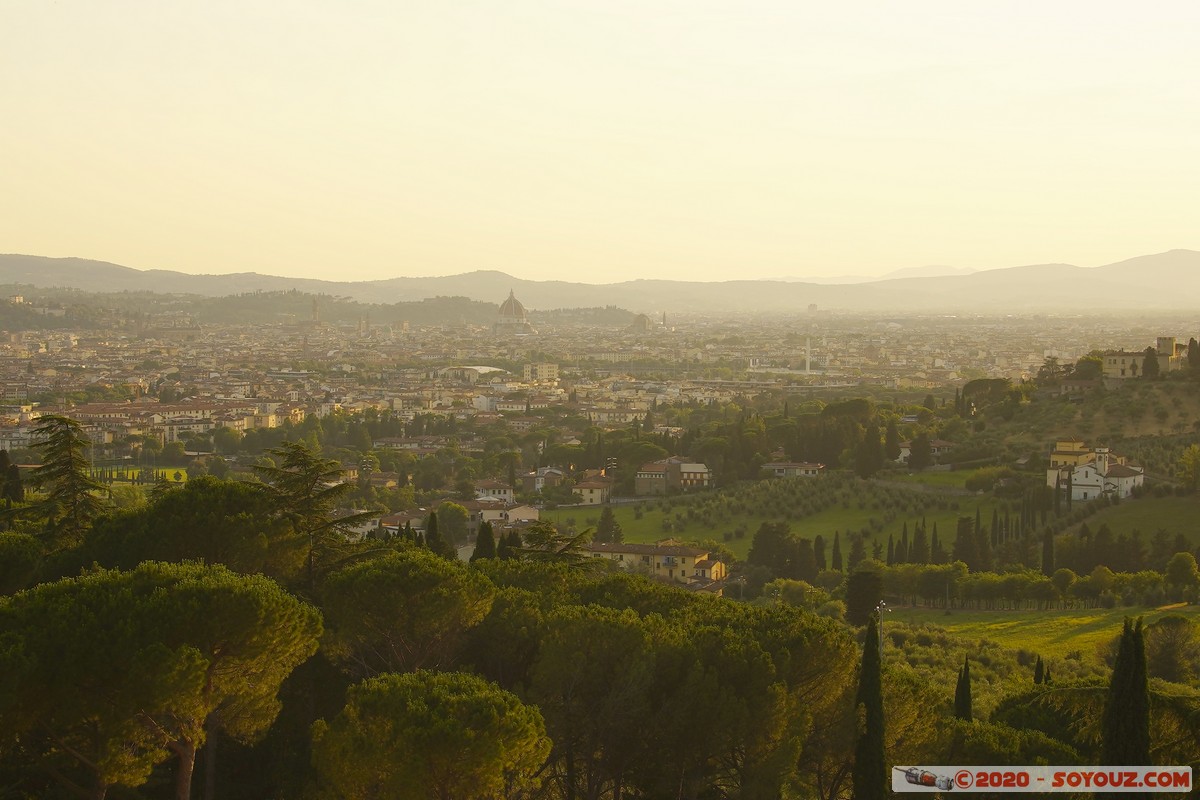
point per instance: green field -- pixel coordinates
(130, 474)
(940, 479)
(1049, 633)
(649, 528)
(1149, 514)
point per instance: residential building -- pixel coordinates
(668, 560)
(671, 475)
(937, 448)
(793, 469)
(541, 372)
(1101, 474)
(593, 492)
(494, 489)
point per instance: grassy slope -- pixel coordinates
(1172, 514)
(1050, 633)
(1135, 410)
(649, 529)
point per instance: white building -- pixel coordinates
(1102, 475)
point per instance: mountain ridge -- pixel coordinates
(1120, 286)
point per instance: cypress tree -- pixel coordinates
(485, 542)
(1125, 738)
(891, 442)
(962, 693)
(14, 490)
(966, 545)
(435, 541)
(837, 551)
(891, 551)
(858, 551)
(502, 551)
(5, 463)
(515, 543)
(1039, 672)
(1048, 553)
(870, 763)
(1046, 679)
(819, 551)
(937, 554)
(608, 529)
(919, 553)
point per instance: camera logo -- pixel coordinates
(926, 779)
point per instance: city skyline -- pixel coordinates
(598, 143)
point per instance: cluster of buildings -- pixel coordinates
(173, 380)
(1087, 473)
(1121, 365)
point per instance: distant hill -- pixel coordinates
(927, 272)
(1164, 281)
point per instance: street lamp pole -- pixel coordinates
(879, 609)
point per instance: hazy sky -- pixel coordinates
(597, 141)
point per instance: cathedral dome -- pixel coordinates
(512, 310)
(513, 318)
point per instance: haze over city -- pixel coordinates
(598, 142)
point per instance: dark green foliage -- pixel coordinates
(937, 554)
(1048, 553)
(962, 693)
(983, 392)
(110, 673)
(869, 458)
(14, 489)
(981, 742)
(864, 590)
(891, 442)
(966, 544)
(870, 775)
(858, 551)
(983, 547)
(485, 542)
(503, 552)
(430, 735)
(306, 491)
(1150, 368)
(918, 553)
(920, 452)
(836, 564)
(72, 498)
(608, 529)
(206, 519)
(434, 540)
(783, 553)
(1125, 733)
(402, 611)
(20, 559)
(1039, 673)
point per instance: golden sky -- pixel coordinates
(597, 141)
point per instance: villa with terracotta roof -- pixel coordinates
(668, 560)
(1090, 474)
